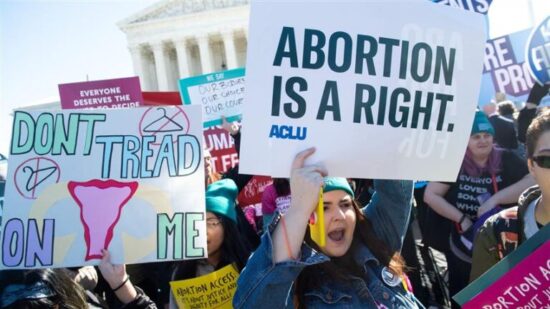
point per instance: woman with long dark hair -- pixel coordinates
(489, 178)
(359, 266)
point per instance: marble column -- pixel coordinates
(230, 52)
(205, 54)
(160, 65)
(139, 62)
(183, 63)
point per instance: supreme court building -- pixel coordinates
(175, 39)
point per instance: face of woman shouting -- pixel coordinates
(340, 220)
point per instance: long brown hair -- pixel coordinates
(341, 268)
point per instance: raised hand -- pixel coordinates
(306, 182)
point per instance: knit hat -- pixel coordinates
(337, 183)
(482, 124)
(220, 198)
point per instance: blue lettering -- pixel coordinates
(288, 132)
(302, 132)
(274, 131)
(284, 134)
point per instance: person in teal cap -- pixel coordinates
(489, 178)
(358, 267)
(224, 242)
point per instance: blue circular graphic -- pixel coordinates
(538, 52)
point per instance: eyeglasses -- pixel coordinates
(542, 161)
(213, 223)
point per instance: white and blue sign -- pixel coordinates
(219, 94)
(538, 52)
(403, 92)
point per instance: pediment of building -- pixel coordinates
(172, 8)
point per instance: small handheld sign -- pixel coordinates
(317, 227)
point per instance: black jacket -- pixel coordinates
(505, 132)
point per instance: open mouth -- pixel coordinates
(337, 235)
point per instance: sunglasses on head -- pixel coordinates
(542, 161)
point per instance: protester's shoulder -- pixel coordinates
(512, 161)
(506, 120)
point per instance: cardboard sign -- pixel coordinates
(214, 290)
(521, 280)
(131, 181)
(109, 93)
(219, 94)
(363, 93)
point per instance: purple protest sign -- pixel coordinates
(108, 93)
(509, 72)
(527, 285)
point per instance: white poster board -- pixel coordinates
(382, 89)
(219, 94)
(131, 181)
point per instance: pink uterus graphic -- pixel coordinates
(100, 203)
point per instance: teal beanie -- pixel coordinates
(482, 124)
(337, 183)
(220, 198)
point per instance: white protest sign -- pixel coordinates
(382, 89)
(131, 181)
(219, 94)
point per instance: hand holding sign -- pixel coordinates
(117, 278)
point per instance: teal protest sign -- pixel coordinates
(219, 94)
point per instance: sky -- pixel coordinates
(46, 43)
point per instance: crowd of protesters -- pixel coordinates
(370, 250)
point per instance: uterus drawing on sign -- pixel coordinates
(101, 203)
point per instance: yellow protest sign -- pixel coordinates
(214, 290)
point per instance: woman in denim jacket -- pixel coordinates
(359, 267)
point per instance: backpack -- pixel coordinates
(506, 231)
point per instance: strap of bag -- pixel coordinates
(495, 187)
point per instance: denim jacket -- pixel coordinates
(263, 284)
